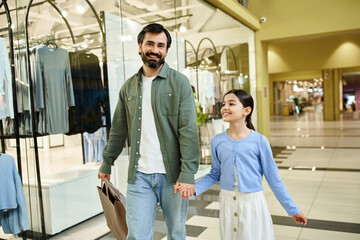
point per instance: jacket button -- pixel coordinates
(234, 229)
(234, 198)
(170, 94)
(235, 214)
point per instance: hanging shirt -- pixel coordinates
(6, 97)
(53, 88)
(22, 83)
(89, 93)
(206, 91)
(150, 160)
(14, 216)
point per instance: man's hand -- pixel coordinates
(300, 218)
(102, 176)
(185, 190)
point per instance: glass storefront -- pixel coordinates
(70, 60)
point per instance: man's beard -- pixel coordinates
(152, 63)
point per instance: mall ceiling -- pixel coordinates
(198, 17)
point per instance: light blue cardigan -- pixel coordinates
(253, 159)
(13, 211)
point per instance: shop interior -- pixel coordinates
(351, 92)
(293, 97)
(57, 131)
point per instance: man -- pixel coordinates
(156, 111)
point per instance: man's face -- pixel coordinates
(153, 49)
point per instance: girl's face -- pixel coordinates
(232, 109)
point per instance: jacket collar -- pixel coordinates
(164, 71)
(162, 74)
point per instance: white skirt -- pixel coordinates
(244, 216)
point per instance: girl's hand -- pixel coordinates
(300, 218)
(185, 190)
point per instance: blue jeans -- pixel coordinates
(141, 204)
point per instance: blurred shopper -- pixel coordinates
(156, 112)
(240, 158)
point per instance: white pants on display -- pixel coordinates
(244, 216)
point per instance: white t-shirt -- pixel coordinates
(150, 160)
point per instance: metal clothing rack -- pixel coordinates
(13, 81)
(216, 58)
(12, 69)
(17, 136)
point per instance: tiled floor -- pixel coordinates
(320, 165)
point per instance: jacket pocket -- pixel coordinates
(169, 104)
(130, 103)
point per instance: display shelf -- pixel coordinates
(69, 198)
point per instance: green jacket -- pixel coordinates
(175, 119)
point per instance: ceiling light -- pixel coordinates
(182, 28)
(80, 8)
(64, 13)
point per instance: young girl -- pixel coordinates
(240, 158)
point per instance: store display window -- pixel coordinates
(67, 61)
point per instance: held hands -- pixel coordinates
(185, 190)
(102, 176)
(300, 218)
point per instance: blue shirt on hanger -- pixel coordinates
(13, 210)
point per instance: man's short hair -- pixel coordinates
(154, 28)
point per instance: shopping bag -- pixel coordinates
(113, 204)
